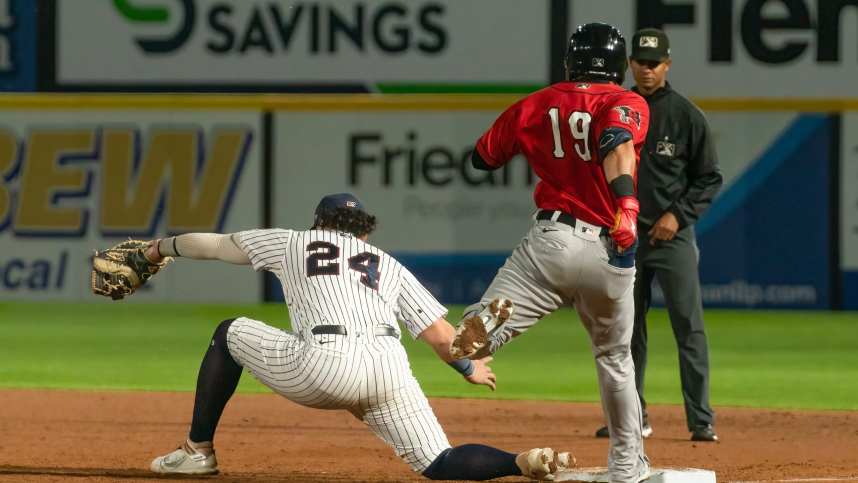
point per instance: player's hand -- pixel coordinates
(483, 373)
(664, 229)
(151, 253)
(625, 229)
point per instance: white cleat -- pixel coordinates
(644, 470)
(543, 464)
(473, 332)
(185, 461)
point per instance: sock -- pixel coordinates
(216, 382)
(203, 447)
(472, 462)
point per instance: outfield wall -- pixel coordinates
(82, 172)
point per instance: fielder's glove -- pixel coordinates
(121, 269)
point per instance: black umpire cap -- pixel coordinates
(334, 201)
(650, 45)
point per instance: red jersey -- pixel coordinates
(558, 130)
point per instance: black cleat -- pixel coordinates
(704, 433)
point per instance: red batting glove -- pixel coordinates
(625, 229)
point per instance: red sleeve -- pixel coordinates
(500, 143)
(627, 111)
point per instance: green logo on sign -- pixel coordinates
(155, 14)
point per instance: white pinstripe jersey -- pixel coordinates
(332, 278)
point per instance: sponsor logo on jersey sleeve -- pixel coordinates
(629, 116)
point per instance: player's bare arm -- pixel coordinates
(199, 246)
(619, 166)
(440, 336)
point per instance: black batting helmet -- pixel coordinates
(596, 51)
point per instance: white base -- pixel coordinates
(659, 475)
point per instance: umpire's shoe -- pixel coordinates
(704, 433)
(187, 460)
(543, 464)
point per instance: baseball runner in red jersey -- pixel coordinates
(582, 138)
(345, 298)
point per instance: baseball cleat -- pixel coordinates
(704, 433)
(543, 464)
(185, 461)
(474, 331)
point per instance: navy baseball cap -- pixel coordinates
(651, 45)
(334, 201)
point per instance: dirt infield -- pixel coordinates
(96, 436)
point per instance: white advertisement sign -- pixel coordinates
(76, 181)
(849, 193)
(745, 48)
(282, 41)
(411, 169)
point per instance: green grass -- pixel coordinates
(759, 359)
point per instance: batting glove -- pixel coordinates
(625, 229)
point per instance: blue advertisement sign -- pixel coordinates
(18, 45)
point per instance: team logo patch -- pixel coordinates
(629, 115)
(598, 62)
(351, 204)
(648, 41)
(582, 85)
(665, 148)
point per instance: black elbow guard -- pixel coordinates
(611, 138)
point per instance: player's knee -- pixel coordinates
(616, 368)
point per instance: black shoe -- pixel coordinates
(704, 433)
(646, 431)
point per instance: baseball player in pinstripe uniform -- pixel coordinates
(344, 297)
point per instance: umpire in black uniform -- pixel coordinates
(677, 180)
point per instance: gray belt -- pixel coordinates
(382, 330)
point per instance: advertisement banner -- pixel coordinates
(75, 181)
(451, 224)
(274, 44)
(764, 242)
(18, 45)
(849, 210)
(745, 48)
(454, 226)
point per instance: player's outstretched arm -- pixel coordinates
(199, 246)
(440, 336)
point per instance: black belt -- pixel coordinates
(564, 218)
(382, 330)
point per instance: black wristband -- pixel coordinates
(464, 367)
(175, 250)
(623, 185)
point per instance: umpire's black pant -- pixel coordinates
(674, 264)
